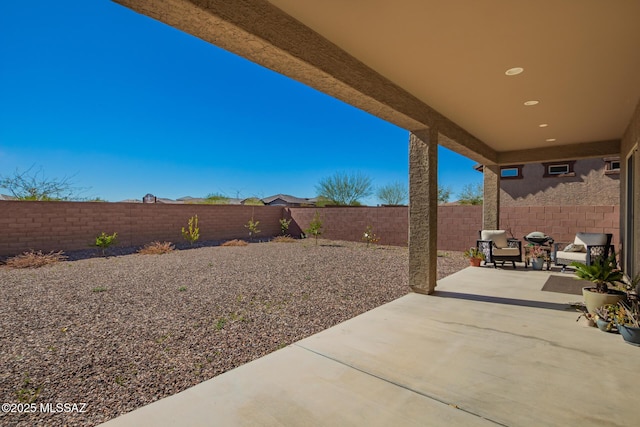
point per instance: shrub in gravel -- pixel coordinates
(253, 228)
(315, 226)
(235, 242)
(193, 233)
(157, 248)
(104, 241)
(33, 259)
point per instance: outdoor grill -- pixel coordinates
(539, 238)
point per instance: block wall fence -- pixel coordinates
(70, 226)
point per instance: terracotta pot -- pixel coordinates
(475, 262)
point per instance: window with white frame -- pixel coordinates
(558, 169)
(612, 165)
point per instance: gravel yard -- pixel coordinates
(120, 332)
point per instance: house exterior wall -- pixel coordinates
(630, 142)
(589, 186)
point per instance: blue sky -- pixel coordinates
(126, 105)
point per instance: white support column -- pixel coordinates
(423, 211)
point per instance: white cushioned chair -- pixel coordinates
(498, 248)
(586, 248)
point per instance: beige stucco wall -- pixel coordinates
(589, 186)
(631, 141)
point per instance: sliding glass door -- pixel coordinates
(629, 241)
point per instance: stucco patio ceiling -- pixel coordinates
(424, 63)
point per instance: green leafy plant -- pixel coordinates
(608, 313)
(104, 241)
(369, 236)
(315, 226)
(284, 226)
(28, 393)
(601, 272)
(474, 252)
(253, 228)
(182, 288)
(192, 234)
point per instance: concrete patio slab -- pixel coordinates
(488, 348)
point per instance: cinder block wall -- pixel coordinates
(390, 224)
(458, 225)
(67, 226)
(74, 225)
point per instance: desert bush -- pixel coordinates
(315, 227)
(253, 228)
(193, 233)
(235, 242)
(369, 236)
(33, 259)
(283, 239)
(104, 241)
(284, 226)
(157, 248)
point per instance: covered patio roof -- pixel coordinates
(433, 63)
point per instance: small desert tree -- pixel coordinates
(192, 234)
(444, 193)
(315, 226)
(29, 185)
(345, 189)
(471, 194)
(393, 194)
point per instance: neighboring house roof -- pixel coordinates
(6, 197)
(285, 199)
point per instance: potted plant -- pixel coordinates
(628, 318)
(538, 256)
(475, 256)
(602, 273)
(606, 317)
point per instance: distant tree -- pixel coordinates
(216, 199)
(393, 194)
(444, 193)
(253, 201)
(345, 189)
(471, 194)
(30, 185)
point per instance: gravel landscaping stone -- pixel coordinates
(120, 332)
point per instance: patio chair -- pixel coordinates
(586, 248)
(496, 247)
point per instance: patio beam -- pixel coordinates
(491, 197)
(583, 150)
(423, 211)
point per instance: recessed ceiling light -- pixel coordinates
(543, 125)
(550, 139)
(514, 71)
(528, 103)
